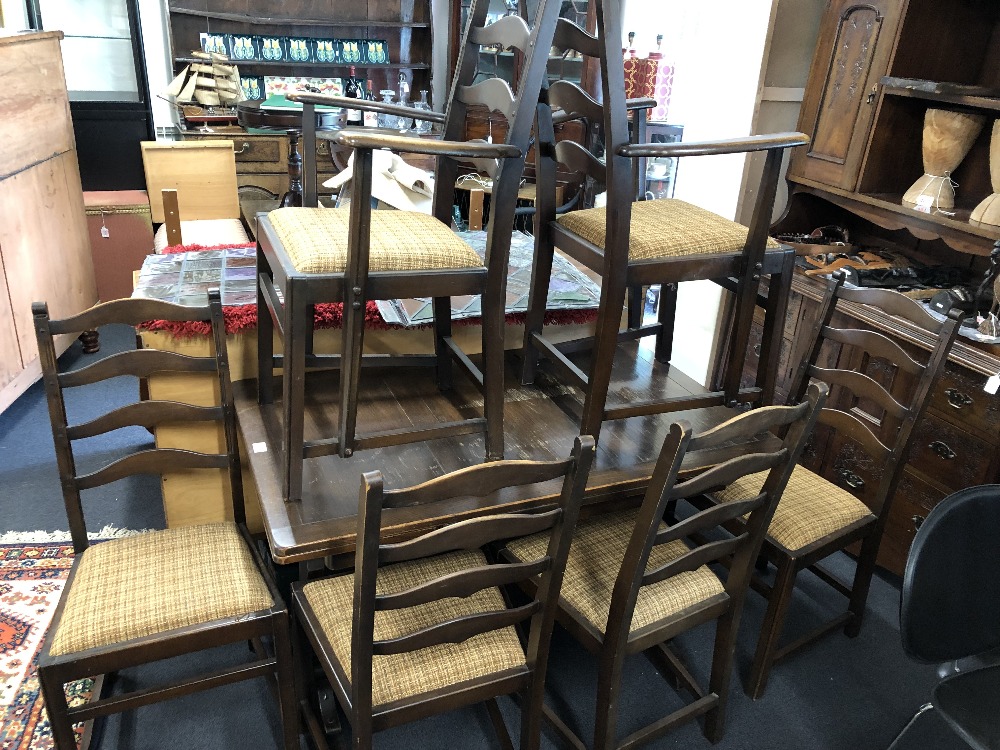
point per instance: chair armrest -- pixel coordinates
(643, 103)
(366, 105)
(359, 138)
(709, 148)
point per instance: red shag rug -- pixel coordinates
(242, 318)
(32, 577)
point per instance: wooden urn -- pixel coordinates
(988, 211)
(947, 138)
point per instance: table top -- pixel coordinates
(538, 426)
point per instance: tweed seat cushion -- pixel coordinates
(399, 676)
(665, 228)
(810, 508)
(595, 557)
(158, 581)
(316, 241)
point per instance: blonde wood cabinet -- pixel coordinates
(44, 246)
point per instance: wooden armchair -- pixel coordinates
(421, 626)
(632, 583)
(160, 594)
(193, 191)
(879, 392)
(632, 244)
(308, 255)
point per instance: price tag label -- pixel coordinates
(105, 233)
(259, 447)
(925, 203)
(992, 385)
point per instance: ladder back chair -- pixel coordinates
(421, 626)
(632, 244)
(633, 583)
(311, 255)
(159, 594)
(879, 393)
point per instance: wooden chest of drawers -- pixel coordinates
(956, 444)
(262, 160)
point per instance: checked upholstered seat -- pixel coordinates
(596, 556)
(399, 676)
(810, 509)
(316, 240)
(666, 228)
(151, 583)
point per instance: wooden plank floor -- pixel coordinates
(537, 426)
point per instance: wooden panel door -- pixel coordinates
(10, 352)
(856, 41)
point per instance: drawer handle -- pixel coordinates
(942, 450)
(918, 521)
(757, 350)
(244, 149)
(957, 399)
(851, 479)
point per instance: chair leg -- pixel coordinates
(636, 300)
(603, 356)
(722, 672)
(541, 272)
(493, 321)
(442, 330)
(666, 314)
(351, 351)
(862, 583)
(293, 386)
(609, 681)
(287, 688)
(496, 718)
(774, 619)
(57, 709)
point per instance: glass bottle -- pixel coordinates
(370, 118)
(384, 120)
(405, 123)
(422, 126)
(353, 91)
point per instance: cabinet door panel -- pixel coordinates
(10, 352)
(856, 41)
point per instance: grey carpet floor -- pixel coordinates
(840, 694)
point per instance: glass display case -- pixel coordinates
(106, 78)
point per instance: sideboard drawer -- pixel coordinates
(959, 393)
(949, 455)
(257, 150)
(913, 500)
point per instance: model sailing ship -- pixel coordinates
(208, 89)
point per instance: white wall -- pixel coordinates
(14, 14)
(159, 71)
(716, 47)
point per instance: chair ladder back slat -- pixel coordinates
(128, 311)
(469, 534)
(875, 344)
(510, 32)
(703, 554)
(861, 386)
(711, 517)
(570, 36)
(893, 303)
(574, 102)
(494, 93)
(148, 414)
(575, 158)
(140, 363)
(477, 481)
(153, 461)
(852, 426)
(458, 630)
(462, 584)
(727, 472)
(750, 424)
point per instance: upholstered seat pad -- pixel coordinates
(399, 676)
(810, 508)
(315, 240)
(207, 232)
(665, 228)
(595, 557)
(158, 581)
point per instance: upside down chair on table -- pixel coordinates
(632, 243)
(309, 255)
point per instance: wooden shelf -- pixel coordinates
(963, 101)
(285, 21)
(293, 64)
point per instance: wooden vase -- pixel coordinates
(988, 211)
(948, 136)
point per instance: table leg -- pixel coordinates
(294, 195)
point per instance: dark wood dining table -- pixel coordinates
(539, 424)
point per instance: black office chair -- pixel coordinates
(951, 610)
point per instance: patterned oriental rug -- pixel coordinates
(32, 576)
